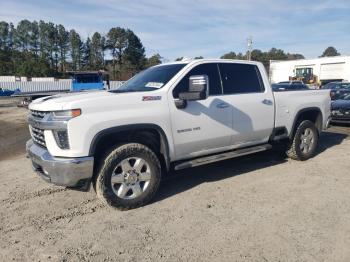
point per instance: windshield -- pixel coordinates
(345, 96)
(333, 85)
(300, 72)
(87, 78)
(150, 79)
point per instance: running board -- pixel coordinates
(222, 156)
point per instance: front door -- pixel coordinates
(203, 126)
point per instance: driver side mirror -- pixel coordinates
(198, 88)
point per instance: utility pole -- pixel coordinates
(249, 45)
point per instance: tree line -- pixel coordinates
(42, 48)
(264, 57)
(275, 54)
(46, 49)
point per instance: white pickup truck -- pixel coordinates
(170, 116)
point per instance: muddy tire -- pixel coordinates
(129, 176)
(305, 141)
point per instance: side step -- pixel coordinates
(222, 156)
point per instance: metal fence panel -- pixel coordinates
(34, 87)
(61, 85)
(7, 78)
(43, 79)
(115, 84)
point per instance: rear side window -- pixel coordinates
(300, 87)
(240, 78)
(211, 70)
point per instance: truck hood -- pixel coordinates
(92, 100)
(341, 104)
(62, 101)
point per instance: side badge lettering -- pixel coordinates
(151, 98)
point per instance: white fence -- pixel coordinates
(115, 84)
(25, 79)
(43, 79)
(7, 79)
(35, 87)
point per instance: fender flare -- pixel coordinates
(301, 111)
(164, 144)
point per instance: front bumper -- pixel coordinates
(69, 172)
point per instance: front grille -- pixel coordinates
(38, 136)
(38, 114)
(341, 112)
(346, 111)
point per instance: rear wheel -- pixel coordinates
(305, 141)
(129, 177)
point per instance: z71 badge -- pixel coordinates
(151, 98)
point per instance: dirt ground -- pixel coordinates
(257, 208)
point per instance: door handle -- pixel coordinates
(222, 105)
(267, 102)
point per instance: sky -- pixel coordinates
(208, 28)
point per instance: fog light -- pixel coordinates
(61, 137)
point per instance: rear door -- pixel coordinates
(252, 103)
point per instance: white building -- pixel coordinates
(326, 69)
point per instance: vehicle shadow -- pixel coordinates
(8, 102)
(13, 137)
(183, 180)
(329, 139)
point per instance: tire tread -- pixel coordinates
(102, 190)
(292, 149)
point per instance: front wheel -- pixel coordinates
(129, 177)
(305, 141)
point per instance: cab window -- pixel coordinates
(240, 78)
(209, 69)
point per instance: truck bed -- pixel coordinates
(289, 103)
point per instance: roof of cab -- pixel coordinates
(213, 60)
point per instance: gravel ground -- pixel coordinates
(257, 208)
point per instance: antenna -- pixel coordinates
(249, 45)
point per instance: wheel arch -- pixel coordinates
(313, 114)
(130, 130)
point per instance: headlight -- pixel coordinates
(65, 114)
(61, 135)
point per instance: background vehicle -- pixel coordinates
(304, 74)
(170, 116)
(338, 89)
(41, 87)
(341, 109)
(289, 86)
(89, 81)
(319, 71)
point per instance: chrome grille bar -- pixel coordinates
(38, 136)
(38, 114)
